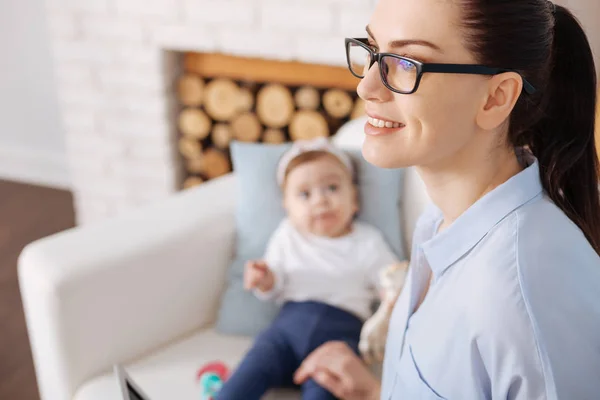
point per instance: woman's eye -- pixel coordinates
(304, 194)
(332, 187)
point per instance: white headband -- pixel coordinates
(303, 146)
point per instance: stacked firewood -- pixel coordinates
(216, 110)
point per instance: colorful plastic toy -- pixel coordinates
(211, 377)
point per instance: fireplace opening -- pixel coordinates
(221, 98)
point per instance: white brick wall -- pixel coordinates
(308, 16)
(80, 96)
(321, 49)
(119, 80)
(352, 21)
(137, 103)
(184, 38)
(137, 55)
(63, 25)
(239, 13)
(123, 126)
(80, 120)
(113, 63)
(97, 7)
(109, 28)
(73, 74)
(86, 52)
(248, 43)
(154, 10)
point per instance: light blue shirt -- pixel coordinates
(513, 310)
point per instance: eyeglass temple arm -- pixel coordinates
(473, 69)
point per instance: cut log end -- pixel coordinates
(194, 165)
(274, 105)
(190, 148)
(273, 136)
(221, 135)
(337, 103)
(221, 99)
(194, 123)
(307, 125)
(307, 98)
(215, 163)
(245, 100)
(246, 127)
(190, 90)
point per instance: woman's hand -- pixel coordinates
(337, 368)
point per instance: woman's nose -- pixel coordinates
(371, 88)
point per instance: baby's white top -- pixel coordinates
(342, 272)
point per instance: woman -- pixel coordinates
(503, 296)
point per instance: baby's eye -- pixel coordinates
(304, 194)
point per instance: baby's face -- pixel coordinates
(320, 198)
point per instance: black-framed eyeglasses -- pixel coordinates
(402, 74)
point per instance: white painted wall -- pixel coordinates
(32, 145)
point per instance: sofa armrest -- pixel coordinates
(110, 292)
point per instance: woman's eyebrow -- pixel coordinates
(395, 44)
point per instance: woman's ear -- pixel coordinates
(500, 98)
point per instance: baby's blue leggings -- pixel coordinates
(276, 354)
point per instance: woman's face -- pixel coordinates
(439, 119)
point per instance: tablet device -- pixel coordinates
(128, 388)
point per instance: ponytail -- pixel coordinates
(546, 44)
(563, 139)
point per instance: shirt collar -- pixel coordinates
(444, 249)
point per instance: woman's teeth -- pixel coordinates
(380, 123)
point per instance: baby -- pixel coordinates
(322, 266)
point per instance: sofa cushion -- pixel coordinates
(170, 373)
(259, 210)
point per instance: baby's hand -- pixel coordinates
(258, 275)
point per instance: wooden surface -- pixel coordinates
(259, 70)
(27, 213)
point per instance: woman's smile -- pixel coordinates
(380, 126)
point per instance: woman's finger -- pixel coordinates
(306, 369)
(313, 361)
(331, 357)
(330, 382)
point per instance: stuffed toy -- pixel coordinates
(375, 329)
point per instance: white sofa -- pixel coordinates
(143, 290)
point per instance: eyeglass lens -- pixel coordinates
(400, 74)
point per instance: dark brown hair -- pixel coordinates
(547, 45)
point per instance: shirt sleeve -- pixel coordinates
(274, 257)
(507, 346)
